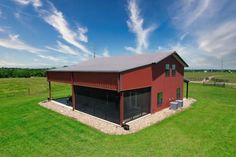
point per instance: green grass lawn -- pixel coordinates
(198, 76)
(208, 128)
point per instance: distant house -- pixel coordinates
(120, 89)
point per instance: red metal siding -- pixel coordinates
(63, 77)
(167, 85)
(136, 78)
(97, 80)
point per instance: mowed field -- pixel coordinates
(198, 76)
(208, 128)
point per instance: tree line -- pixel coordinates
(27, 72)
(22, 72)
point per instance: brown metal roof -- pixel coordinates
(120, 63)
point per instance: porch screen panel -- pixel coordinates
(100, 103)
(136, 103)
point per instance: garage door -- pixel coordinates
(136, 103)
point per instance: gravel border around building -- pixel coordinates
(112, 128)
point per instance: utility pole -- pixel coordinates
(94, 53)
(222, 65)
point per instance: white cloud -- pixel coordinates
(199, 9)
(82, 33)
(35, 60)
(2, 30)
(210, 27)
(11, 62)
(52, 58)
(13, 42)
(135, 24)
(220, 41)
(106, 53)
(57, 20)
(183, 36)
(189, 11)
(62, 48)
(17, 15)
(35, 3)
(4, 63)
(0, 13)
(197, 58)
(194, 57)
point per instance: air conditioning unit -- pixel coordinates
(180, 103)
(174, 105)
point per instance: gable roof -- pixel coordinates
(120, 63)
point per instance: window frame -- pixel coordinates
(178, 93)
(159, 99)
(173, 69)
(167, 70)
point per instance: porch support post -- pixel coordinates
(49, 91)
(72, 91)
(187, 91)
(73, 96)
(121, 108)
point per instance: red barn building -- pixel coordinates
(120, 89)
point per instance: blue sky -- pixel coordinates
(48, 33)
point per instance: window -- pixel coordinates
(167, 69)
(178, 93)
(173, 70)
(159, 99)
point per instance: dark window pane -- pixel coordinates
(178, 93)
(167, 69)
(159, 99)
(173, 70)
